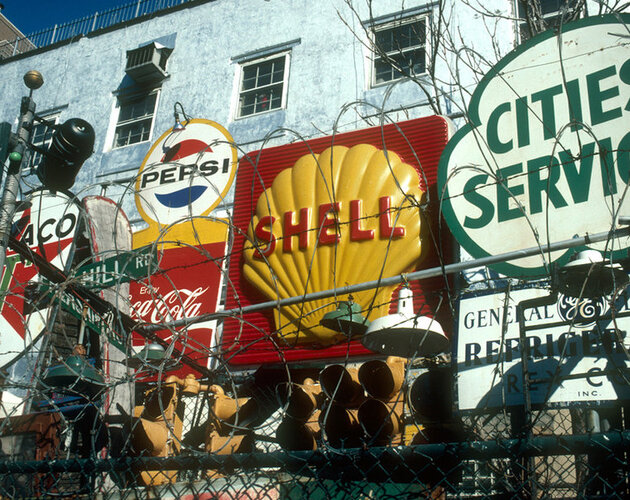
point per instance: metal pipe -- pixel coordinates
(526, 431)
(611, 442)
(12, 183)
(394, 280)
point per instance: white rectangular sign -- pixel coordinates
(567, 363)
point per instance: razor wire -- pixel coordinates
(288, 430)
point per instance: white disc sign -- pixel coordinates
(186, 173)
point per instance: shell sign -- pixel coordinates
(362, 206)
(321, 215)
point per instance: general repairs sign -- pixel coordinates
(576, 351)
(545, 155)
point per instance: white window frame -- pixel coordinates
(123, 99)
(241, 76)
(385, 26)
(45, 139)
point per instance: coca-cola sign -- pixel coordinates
(187, 286)
(173, 306)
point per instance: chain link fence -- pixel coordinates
(378, 429)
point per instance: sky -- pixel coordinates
(35, 15)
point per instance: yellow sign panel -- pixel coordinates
(185, 175)
(345, 216)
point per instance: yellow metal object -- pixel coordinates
(196, 231)
(353, 216)
(298, 435)
(224, 431)
(410, 432)
(157, 429)
(383, 379)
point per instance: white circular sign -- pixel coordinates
(47, 225)
(186, 173)
(545, 155)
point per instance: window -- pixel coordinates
(263, 85)
(399, 50)
(135, 119)
(42, 136)
(537, 16)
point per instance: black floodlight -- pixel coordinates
(71, 145)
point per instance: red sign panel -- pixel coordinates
(48, 226)
(186, 286)
(250, 341)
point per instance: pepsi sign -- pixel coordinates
(186, 173)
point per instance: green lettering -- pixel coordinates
(623, 158)
(522, 121)
(505, 193)
(7, 276)
(624, 76)
(546, 98)
(596, 96)
(579, 180)
(492, 130)
(537, 184)
(481, 202)
(575, 104)
(606, 164)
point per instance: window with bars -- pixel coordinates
(537, 16)
(42, 136)
(263, 85)
(399, 50)
(135, 119)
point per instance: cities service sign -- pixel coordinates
(546, 153)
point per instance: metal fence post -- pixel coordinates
(525, 430)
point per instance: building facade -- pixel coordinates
(275, 73)
(310, 71)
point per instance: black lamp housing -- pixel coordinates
(71, 145)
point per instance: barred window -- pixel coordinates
(263, 85)
(135, 119)
(399, 50)
(536, 16)
(42, 136)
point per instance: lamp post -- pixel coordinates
(33, 80)
(72, 143)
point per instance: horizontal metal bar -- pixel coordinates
(394, 280)
(354, 458)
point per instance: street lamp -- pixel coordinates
(179, 126)
(71, 145)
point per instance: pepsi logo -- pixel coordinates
(186, 173)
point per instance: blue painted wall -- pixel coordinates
(329, 70)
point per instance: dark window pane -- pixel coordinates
(401, 37)
(261, 89)
(264, 74)
(134, 120)
(404, 47)
(133, 133)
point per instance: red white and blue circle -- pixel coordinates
(186, 173)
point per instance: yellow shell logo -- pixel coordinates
(339, 218)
